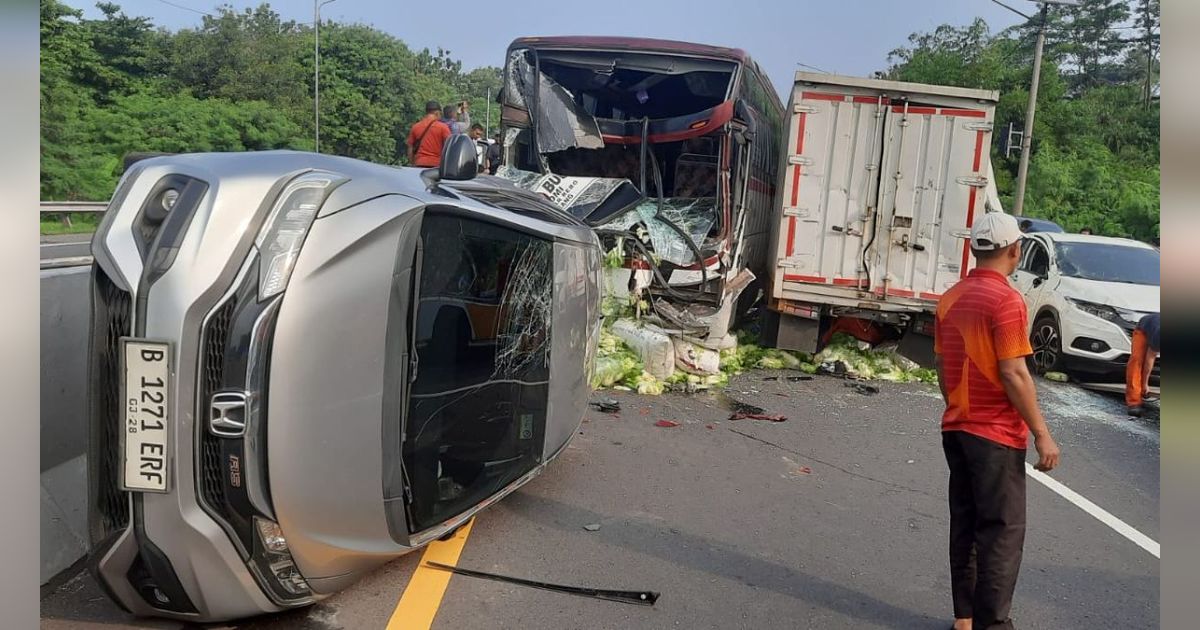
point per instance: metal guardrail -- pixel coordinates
(64, 207)
(67, 208)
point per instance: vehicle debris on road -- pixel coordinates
(641, 598)
(607, 405)
(771, 417)
(864, 389)
(666, 424)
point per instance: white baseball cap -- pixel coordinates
(995, 230)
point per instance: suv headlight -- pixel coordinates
(287, 225)
(1122, 317)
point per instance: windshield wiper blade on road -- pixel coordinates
(641, 598)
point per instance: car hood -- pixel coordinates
(326, 401)
(1135, 297)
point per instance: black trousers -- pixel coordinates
(987, 526)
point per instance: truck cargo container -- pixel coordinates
(879, 184)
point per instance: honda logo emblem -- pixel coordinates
(227, 414)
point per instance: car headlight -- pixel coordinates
(272, 557)
(287, 225)
(1122, 317)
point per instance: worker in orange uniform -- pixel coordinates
(1141, 362)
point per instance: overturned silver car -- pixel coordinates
(303, 366)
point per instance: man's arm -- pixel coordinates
(937, 364)
(1021, 391)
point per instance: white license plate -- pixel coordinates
(146, 387)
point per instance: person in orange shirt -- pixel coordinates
(981, 341)
(427, 137)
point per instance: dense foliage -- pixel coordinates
(1095, 159)
(239, 81)
(244, 81)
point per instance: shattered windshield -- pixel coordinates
(1108, 262)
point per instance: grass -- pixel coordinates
(81, 223)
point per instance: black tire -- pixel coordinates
(1047, 345)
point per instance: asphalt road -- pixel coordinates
(65, 246)
(835, 518)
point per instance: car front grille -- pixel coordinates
(216, 332)
(108, 505)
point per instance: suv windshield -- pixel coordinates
(1108, 262)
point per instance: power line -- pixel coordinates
(180, 6)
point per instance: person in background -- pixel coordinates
(426, 138)
(991, 408)
(476, 134)
(457, 117)
(1086, 230)
(1145, 342)
(493, 155)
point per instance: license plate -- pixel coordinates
(147, 418)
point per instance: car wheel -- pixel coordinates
(1047, 345)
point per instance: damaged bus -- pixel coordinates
(668, 150)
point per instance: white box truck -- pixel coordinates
(879, 185)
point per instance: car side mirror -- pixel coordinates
(458, 159)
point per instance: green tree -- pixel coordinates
(1096, 141)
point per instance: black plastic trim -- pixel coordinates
(159, 568)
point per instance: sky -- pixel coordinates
(840, 36)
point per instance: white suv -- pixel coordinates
(1085, 295)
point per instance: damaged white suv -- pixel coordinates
(303, 366)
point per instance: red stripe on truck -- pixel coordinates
(791, 237)
(799, 151)
(821, 96)
(799, 278)
(970, 113)
(899, 109)
(962, 270)
(791, 242)
(850, 282)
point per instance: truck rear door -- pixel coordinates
(935, 169)
(830, 186)
(879, 190)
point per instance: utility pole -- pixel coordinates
(1027, 136)
(487, 125)
(1148, 21)
(317, 4)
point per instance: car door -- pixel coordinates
(1032, 276)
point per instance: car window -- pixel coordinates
(477, 409)
(1037, 259)
(1109, 262)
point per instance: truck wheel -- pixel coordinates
(1047, 345)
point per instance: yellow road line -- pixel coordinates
(423, 596)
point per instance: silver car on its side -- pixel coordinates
(303, 366)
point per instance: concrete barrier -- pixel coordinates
(65, 302)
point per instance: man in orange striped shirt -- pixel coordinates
(981, 340)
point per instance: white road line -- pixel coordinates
(1102, 515)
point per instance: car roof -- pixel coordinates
(1067, 237)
